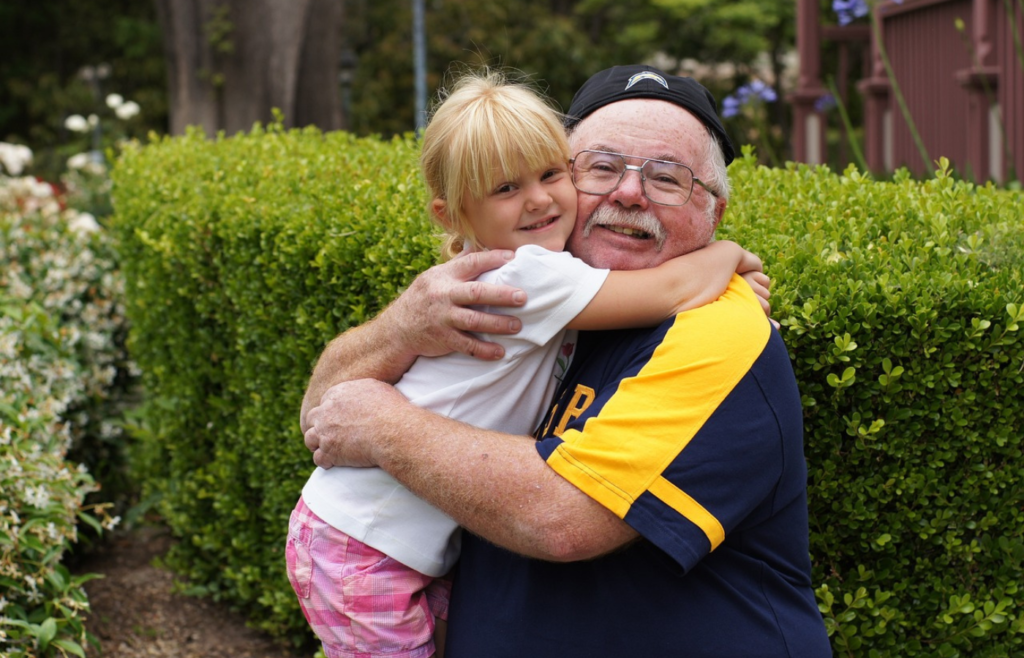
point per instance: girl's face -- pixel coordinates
(538, 207)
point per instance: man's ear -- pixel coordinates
(440, 210)
(720, 205)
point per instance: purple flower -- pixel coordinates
(748, 94)
(825, 103)
(730, 107)
(848, 10)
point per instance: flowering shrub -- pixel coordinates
(847, 11)
(752, 93)
(86, 177)
(60, 328)
(743, 109)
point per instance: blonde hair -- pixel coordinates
(485, 122)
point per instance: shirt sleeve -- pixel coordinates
(558, 287)
(686, 445)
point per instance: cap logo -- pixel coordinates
(646, 75)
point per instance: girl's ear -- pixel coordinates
(440, 210)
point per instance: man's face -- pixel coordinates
(645, 128)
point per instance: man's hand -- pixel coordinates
(342, 428)
(432, 317)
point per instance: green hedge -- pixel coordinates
(242, 257)
(900, 302)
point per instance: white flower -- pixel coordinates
(3, 603)
(37, 497)
(93, 339)
(112, 522)
(78, 161)
(8, 350)
(14, 157)
(83, 223)
(40, 189)
(114, 101)
(93, 120)
(128, 110)
(77, 123)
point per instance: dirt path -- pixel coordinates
(135, 614)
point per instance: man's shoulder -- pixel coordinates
(732, 321)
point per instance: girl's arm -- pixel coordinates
(642, 298)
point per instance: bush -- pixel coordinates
(900, 303)
(244, 256)
(59, 315)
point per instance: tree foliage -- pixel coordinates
(559, 44)
(556, 43)
(45, 46)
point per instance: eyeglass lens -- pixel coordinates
(597, 172)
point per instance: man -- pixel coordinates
(663, 509)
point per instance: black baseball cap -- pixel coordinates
(640, 81)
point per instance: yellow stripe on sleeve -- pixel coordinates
(680, 501)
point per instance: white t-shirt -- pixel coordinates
(509, 395)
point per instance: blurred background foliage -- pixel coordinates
(47, 45)
(557, 43)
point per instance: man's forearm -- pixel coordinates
(496, 486)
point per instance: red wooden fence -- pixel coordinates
(964, 88)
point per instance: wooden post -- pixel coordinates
(808, 123)
(877, 110)
(981, 80)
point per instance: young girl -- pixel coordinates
(367, 557)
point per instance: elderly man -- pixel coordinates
(662, 508)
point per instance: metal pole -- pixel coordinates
(419, 46)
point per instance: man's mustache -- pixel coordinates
(638, 220)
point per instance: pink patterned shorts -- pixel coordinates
(360, 602)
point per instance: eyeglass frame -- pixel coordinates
(639, 169)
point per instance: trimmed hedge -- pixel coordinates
(900, 302)
(242, 257)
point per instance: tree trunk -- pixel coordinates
(230, 62)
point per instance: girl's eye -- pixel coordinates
(503, 188)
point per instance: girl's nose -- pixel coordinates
(537, 197)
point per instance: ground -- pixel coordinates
(135, 613)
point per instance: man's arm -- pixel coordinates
(431, 318)
(495, 485)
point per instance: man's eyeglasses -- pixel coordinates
(665, 183)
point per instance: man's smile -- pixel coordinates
(627, 231)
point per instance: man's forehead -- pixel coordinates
(644, 127)
(671, 156)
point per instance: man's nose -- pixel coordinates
(630, 192)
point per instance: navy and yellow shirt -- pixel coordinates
(692, 433)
